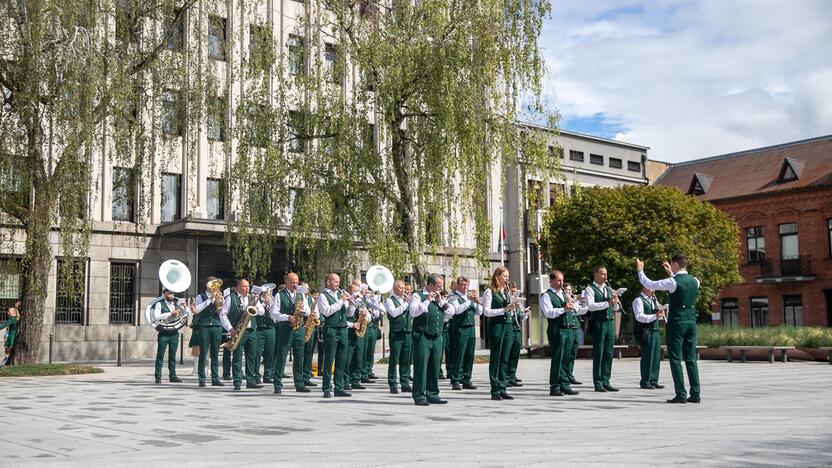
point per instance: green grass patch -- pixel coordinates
(37, 370)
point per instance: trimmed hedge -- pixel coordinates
(714, 336)
(32, 370)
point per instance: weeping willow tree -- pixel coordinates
(381, 129)
(79, 81)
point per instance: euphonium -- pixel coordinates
(312, 321)
(215, 293)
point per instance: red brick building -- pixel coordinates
(781, 198)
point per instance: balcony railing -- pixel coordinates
(786, 267)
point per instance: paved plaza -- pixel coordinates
(751, 414)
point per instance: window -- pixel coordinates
(556, 152)
(788, 242)
(296, 55)
(759, 311)
(576, 156)
(69, 300)
(124, 191)
(175, 30)
(171, 195)
(556, 191)
(616, 163)
(330, 59)
(122, 293)
(171, 113)
(216, 199)
(296, 143)
(793, 310)
(730, 313)
(596, 159)
(756, 244)
(634, 166)
(216, 37)
(534, 195)
(216, 118)
(11, 282)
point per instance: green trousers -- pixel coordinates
(603, 336)
(335, 351)
(286, 338)
(427, 362)
(573, 354)
(463, 344)
(210, 346)
(266, 338)
(169, 342)
(308, 351)
(355, 357)
(500, 338)
(320, 333)
(370, 349)
(399, 359)
(514, 358)
(248, 344)
(560, 342)
(681, 344)
(446, 351)
(651, 350)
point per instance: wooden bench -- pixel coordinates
(828, 350)
(698, 348)
(617, 349)
(742, 349)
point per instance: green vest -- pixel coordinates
(235, 309)
(165, 310)
(431, 322)
(402, 323)
(683, 300)
(339, 318)
(287, 305)
(649, 310)
(263, 322)
(499, 301)
(210, 316)
(602, 296)
(465, 319)
(568, 319)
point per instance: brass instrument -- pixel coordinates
(251, 312)
(175, 277)
(299, 316)
(312, 322)
(363, 321)
(215, 293)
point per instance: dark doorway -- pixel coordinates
(828, 294)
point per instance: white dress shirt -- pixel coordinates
(638, 309)
(547, 309)
(326, 310)
(667, 284)
(392, 310)
(589, 295)
(157, 310)
(278, 316)
(460, 307)
(418, 306)
(226, 305)
(202, 304)
(485, 301)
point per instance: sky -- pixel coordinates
(691, 79)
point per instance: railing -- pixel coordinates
(775, 268)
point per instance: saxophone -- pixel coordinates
(312, 321)
(298, 315)
(363, 319)
(250, 312)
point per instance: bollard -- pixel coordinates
(118, 364)
(50, 348)
(181, 349)
(383, 346)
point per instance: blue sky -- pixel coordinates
(691, 79)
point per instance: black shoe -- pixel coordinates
(158, 380)
(467, 386)
(278, 390)
(310, 384)
(693, 400)
(175, 379)
(600, 389)
(506, 396)
(421, 403)
(610, 388)
(358, 386)
(518, 380)
(394, 390)
(496, 397)
(341, 393)
(410, 379)
(438, 401)
(256, 385)
(366, 380)
(327, 395)
(574, 382)
(407, 388)
(555, 392)
(515, 384)
(348, 387)
(569, 391)
(217, 383)
(655, 385)
(265, 381)
(236, 386)
(226, 377)
(677, 400)
(372, 376)
(303, 390)
(202, 384)
(647, 387)
(456, 386)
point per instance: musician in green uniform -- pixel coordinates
(602, 303)
(309, 346)
(516, 341)
(166, 340)
(334, 305)
(210, 334)
(500, 312)
(462, 334)
(401, 326)
(560, 309)
(11, 333)
(581, 310)
(681, 323)
(647, 313)
(290, 333)
(233, 308)
(266, 340)
(429, 311)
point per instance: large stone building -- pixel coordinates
(781, 198)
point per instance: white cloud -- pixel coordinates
(694, 79)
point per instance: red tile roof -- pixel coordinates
(756, 171)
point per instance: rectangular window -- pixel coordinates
(122, 293)
(330, 63)
(296, 56)
(616, 163)
(216, 37)
(793, 310)
(788, 241)
(175, 31)
(216, 199)
(124, 194)
(634, 166)
(576, 156)
(11, 282)
(171, 112)
(216, 118)
(534, 259)
(171, 196)
(556, 152)
(756, 244)
(759, 311)
(69, 298)
(730, 313)
(596, 159)
(296, 142)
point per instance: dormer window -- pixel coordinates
(700, 184)
(791, 170)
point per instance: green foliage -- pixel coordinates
(38, 370)
(715, 336)
(614, 226)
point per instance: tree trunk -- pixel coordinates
(406, 202)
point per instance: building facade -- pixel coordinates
(781, 198)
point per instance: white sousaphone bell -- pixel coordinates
(176, 277)
(380, 279)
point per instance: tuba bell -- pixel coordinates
(176, 277)
(380, 279)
